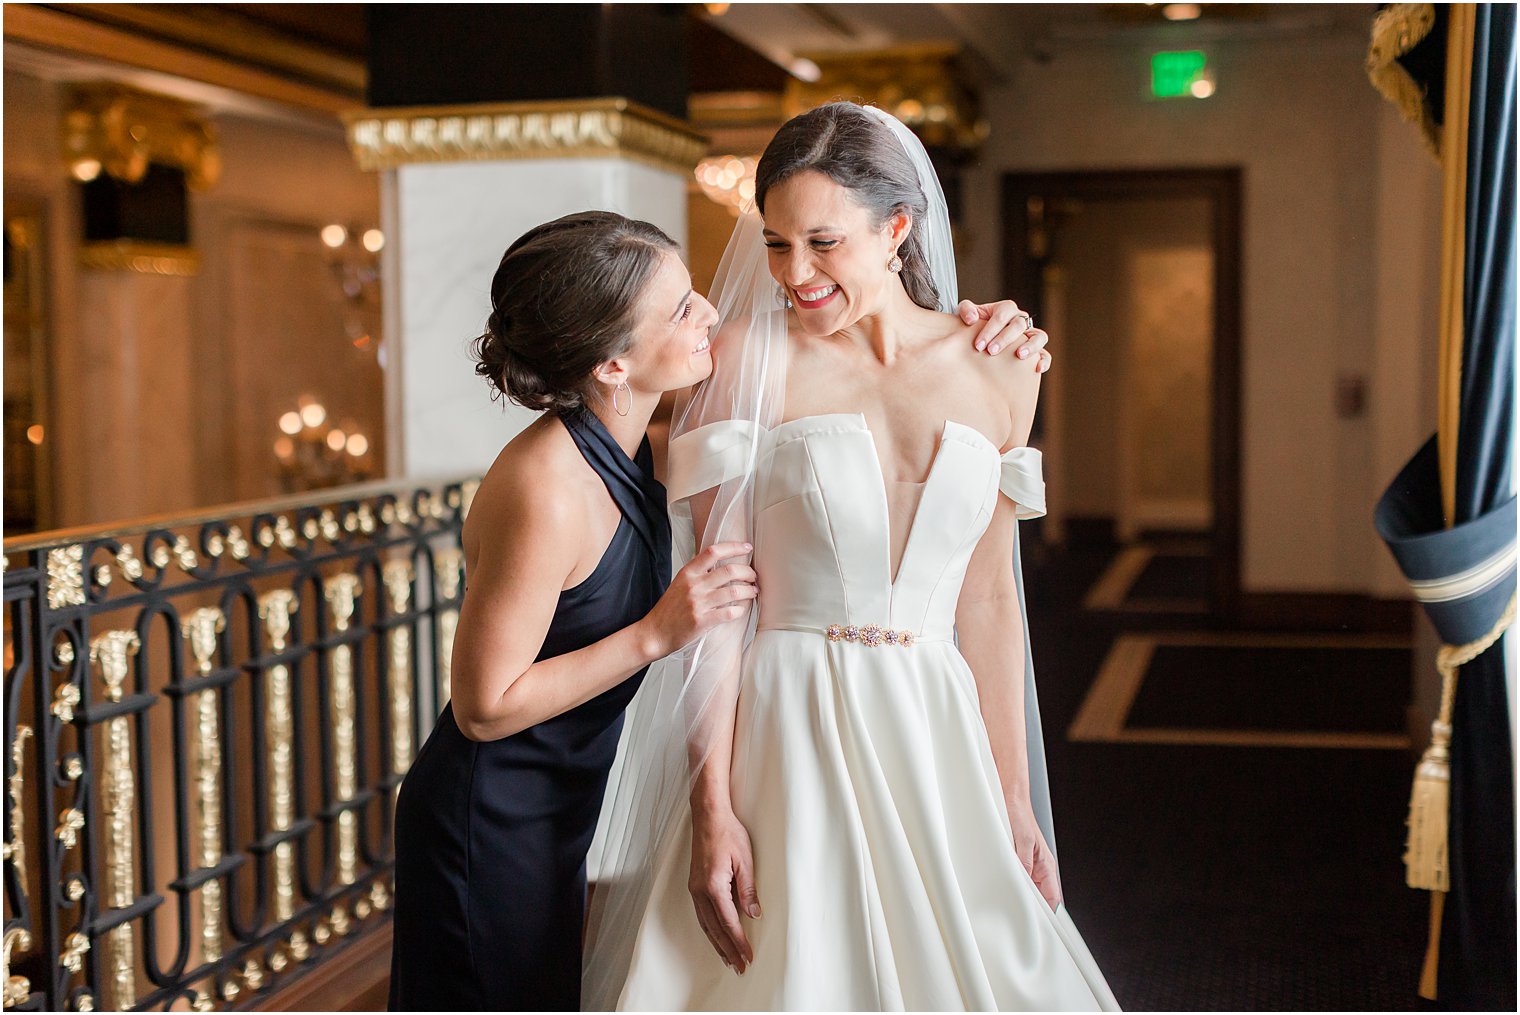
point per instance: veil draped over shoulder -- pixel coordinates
(716, 441)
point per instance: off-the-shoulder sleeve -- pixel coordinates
(709, 455)
(1023, 482)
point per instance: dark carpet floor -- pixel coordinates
(1225, 878)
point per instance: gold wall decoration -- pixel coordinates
(275, 609)
(201, 630)
(15, 785)
(66, 576)
(450, 570)
(576, 128)
(342, 591)
(117, 130)
(926, 87)
(398, 583)
(111, 652)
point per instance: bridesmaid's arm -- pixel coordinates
(527, 544)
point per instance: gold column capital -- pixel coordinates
(558, 129)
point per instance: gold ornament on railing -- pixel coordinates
(342, 591)
(275, 609)
(111, 653)
(450, 565)
(15, 785)
(201, 630)
(398, 583)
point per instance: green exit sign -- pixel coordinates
(1179, 74)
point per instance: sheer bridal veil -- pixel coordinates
(716, 440)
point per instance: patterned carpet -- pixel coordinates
(1209, 877)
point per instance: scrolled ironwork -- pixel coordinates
(207, 720)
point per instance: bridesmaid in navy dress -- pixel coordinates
(593, 319)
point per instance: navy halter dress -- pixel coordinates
(491, 838)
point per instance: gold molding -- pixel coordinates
(113, 129)
(564, 129)
(144, 258)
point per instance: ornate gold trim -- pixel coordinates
(566, 129)
(342, 591)
(1396, 30)
(144, 258)
(111, 128)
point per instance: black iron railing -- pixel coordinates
(206, 721)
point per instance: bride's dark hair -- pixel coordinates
(855, 150)
(565, 299)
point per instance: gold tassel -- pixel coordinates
(1425, 851)
(1425, 856)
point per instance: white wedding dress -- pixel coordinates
(883, 858)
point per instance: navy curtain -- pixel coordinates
(1477, 967)
(1462, 568)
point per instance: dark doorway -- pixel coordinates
(1149, 425)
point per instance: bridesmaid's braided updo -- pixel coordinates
(564, 300)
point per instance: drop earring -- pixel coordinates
(622, 386)
(895, 264)
(781, 294)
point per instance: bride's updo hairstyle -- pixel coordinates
(565, 299)
(857, 151)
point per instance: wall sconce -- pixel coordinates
(353, 254)
(312, 452)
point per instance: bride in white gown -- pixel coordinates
(868, 825)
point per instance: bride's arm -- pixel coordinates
(722, 878)
(989, 622)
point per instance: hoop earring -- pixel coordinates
(622, 386)
(781, 294)
(894, 265)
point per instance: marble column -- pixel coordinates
(458, 185)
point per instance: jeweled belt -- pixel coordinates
(869, 635)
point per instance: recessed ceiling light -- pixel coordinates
(1181, 12)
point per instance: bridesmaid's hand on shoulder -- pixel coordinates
(1007, 327)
